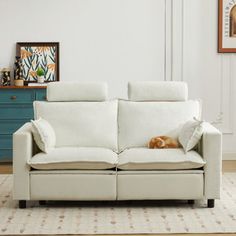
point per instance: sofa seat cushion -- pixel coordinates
(159, 159)
(75, 158)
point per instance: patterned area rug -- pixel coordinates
(118, 218)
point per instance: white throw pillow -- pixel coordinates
(44, 135)
(190, 134)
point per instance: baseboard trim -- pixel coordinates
(229, 156)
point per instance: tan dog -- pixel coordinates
(163, 142)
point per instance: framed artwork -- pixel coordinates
(227, 26)
(35, 56)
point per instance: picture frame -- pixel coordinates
(226, 26)
(35, 55)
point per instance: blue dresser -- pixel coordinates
(16, 108)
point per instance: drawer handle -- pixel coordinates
(13, 97)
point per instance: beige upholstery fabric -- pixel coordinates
(93, 126)
(212, 154)
(190, 134)
(22, 152)
(74, 158)
(81, 124)
(44, 135)
(88, 172)
(73, 187)
(151, 172)
(140, 121)
(158, 159)
(76, 91)
(157, 91)
(160, 186)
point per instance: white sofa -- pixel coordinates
(101, 147)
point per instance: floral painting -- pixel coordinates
(39, 55)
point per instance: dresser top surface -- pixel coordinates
(23, 87)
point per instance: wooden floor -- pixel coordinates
(5, 168)
(228, 166)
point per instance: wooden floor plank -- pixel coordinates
(5, 168)
(229, 166)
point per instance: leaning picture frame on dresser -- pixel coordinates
(43, 55)
(16, 102)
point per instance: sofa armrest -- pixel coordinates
(212, 153)
(22, 152)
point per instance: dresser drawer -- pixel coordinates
(9, 127)
(40, 95)
(5, 141)
(16, 96)
(16, 112)
(16, 108)
(5, 155)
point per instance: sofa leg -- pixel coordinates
(210, 203)
(190, 202)
(41, 203)
(22, 204)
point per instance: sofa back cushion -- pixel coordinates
(81, 124)
(138, 122)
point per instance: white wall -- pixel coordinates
(123, 40)
(210, 75)
(111, 40)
